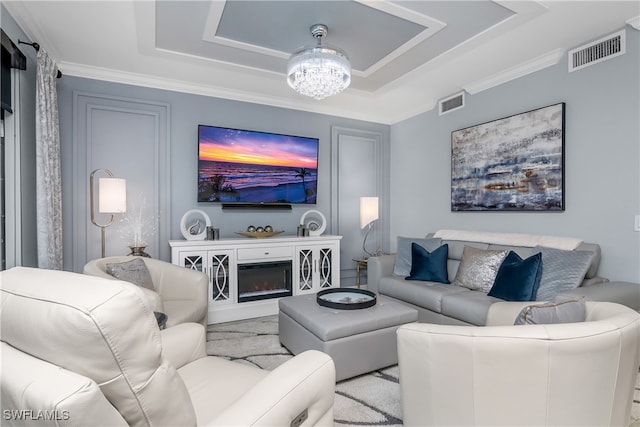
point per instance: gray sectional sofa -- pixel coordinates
(456, 305)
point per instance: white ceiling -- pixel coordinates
(406, 55)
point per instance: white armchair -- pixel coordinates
(180, 293)
(561, 374)
(87, 351)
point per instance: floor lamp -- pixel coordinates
(112, 198)
(368, 215)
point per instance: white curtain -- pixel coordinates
(48, 177)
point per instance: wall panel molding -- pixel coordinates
(356, 171)
(130, 137)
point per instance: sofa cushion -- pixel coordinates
(518, 279)
(234, 378)
(571, 311)
(456, 248)
(402, 266)
(134, 271)
(471, 307)
(561, 271)
(423, 294)
(511, 239)
(478, 268)
(105, 322)
(429, 266)
(523, 252)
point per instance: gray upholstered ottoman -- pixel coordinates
(359, 341)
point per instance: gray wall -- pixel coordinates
(186, 112)
(602, 181)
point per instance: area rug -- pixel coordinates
(372, 399)
(368, 400)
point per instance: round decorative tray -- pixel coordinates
(346, 298)
(259, 235)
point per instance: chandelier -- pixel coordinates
(319, 71)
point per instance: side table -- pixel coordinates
(360, 263)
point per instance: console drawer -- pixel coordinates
(265, 253)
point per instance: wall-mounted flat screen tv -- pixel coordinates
(251, 167)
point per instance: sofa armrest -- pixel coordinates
(152, 298)
(178, 283)
(183, 343)
(378, 267)
(625, 293)
(302, 386)
(97, 268)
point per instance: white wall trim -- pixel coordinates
(543, 61)
(634, 22)
(13, 182)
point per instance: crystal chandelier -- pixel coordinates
(319, 71)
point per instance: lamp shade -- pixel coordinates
(112, 195)
(368, 210)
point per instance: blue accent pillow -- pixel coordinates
(429, 266)
(518, 279)
(402, 265)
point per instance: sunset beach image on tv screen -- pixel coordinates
(242, 166)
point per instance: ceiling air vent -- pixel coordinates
(452, 103)
(597, 51)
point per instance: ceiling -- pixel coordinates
(406, 55)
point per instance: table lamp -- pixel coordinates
(112, 198)
(368, 215)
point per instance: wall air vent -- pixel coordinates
(452, 103)
(600, 50)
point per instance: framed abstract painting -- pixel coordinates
(511, 164)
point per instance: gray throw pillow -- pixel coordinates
(571, 311)
(402, 266)
(134, 271)
(562, 271)
(478, 268)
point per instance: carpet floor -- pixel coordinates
(368, 400)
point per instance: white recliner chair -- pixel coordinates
(178, 292)
(579, 374)
(85, 351)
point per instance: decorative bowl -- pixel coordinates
(346, 298)
(259, 235)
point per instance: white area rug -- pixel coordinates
(372, 399)
(368, 400)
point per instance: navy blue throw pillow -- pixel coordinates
(429, 266)
(518, 279)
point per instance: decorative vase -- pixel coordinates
(138, 251)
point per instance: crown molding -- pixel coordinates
(351, 104)
(536, 64)
(634, 22)
(30, 26)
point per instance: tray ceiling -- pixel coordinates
(406, 55)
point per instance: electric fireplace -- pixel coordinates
(264, 280)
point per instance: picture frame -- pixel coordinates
(515, 163)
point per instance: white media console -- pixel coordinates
(247, 276)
